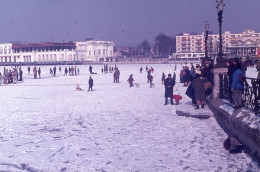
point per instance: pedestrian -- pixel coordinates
(131, 80)
(35, 72)
(54, 71)
(78, 71)
(102, 70)
(21, 74)
(60, 69)
(65, 71)
(141, 69)
(237, 87)
(199, 90)
(169, 84)
(28, 69)
(163, 77)
(51, 72)
(39, 72)
(90, 69)
(150, 77)
(90, 83)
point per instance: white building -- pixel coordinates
(91, 51)
(95, 51)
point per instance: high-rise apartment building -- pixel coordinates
(240, 45)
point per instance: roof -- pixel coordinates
(45, 44)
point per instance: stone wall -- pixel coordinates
(241, 124)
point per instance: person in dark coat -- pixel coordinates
(199, 90)
(21, 74)
(39, 72)
(141, 69)
(131, 80)
(54, 71)
(163, 77)
(90, 83)
(65, 71)
(90, 69)
(169, 84)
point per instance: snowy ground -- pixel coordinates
(47, 126)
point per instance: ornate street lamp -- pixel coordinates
(206, 40)
(221, 62)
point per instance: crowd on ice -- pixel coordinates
(11, 75)
(197, 78)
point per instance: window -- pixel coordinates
(89, 53)
(5, 50)
(99, 51)
(104, 51)
(39, 58)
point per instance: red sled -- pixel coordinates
(177, 98)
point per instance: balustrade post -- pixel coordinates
(216, 87)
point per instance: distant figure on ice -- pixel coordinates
(60, 69)
(174, 76)
(78, 88)
(39, 72)
(163, 77)
(90, 83)
(65, 71)
(54, 71)
(78, 71)
(90, 69)
(102, 70)
(21, 74)
(116, 76)
(175, 67)
(152, 70)
(51, 72)
(141, 69)
(28, 69)
(150, 78)
(35, 72)
(131, 80)
(1, 78)
(169, 84)
(146, 68)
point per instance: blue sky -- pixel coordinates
(126, 22)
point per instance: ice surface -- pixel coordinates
(48, 126)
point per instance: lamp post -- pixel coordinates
(221, 63)
(206, 40)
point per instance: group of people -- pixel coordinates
(237, 78)
(198, 79)
(11, 75)
(73, 71)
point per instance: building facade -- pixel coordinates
(91, 51)
(95, 51)
(239, 45)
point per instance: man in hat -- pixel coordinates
(169, 83)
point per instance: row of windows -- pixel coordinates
(5, 50)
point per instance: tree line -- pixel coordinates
(163, 46)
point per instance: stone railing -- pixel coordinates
(250, 94)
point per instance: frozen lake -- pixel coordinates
(47, 126)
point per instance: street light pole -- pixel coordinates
(206, 40)
(221, 62)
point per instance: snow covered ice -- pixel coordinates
(48, 126)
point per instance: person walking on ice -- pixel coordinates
(169, 84)
(131, 80)
(90, 83)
